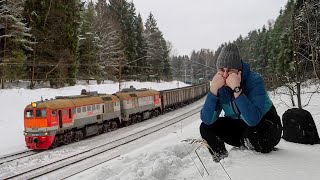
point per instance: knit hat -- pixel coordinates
(229, 57)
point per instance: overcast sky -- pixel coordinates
(195, 24)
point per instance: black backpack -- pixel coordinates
(299, 127)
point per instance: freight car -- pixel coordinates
(65, 119)
(175, 98)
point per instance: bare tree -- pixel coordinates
(110, 49)
(306, 37)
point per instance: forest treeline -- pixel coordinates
(283, 51)
(61, 42)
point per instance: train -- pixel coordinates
(67, 119)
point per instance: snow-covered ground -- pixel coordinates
(169, 158)
(166, 157)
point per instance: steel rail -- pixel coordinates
(15, 156)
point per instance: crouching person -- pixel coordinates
(250, 119)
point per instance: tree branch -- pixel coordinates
(45, 20)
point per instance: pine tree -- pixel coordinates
(180, 68)
(176, 67)
(141, 48)
(166, 71)
(14, 41)
(123, 13)
(88, 47)
(155, 51)
(55, 26)
(72, 9)
(203, 65)
(131, 39)
(281, 47)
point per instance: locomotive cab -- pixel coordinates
(36, 122)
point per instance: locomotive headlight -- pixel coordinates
(25, 133)
(34, 104)
(46, 133)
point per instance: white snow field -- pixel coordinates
(164, 156)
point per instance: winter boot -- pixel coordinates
(216, 154)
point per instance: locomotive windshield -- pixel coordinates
(41, 113)
(29, 113)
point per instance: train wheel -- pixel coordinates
(156, 113)
(126, 123)
(81, 136)
(139, 118)
(67, 139)
(114, 125)
(134, 120)
(100, 129)
(106, 127)
(55, 143)
(78, 136)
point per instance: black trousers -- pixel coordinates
(263, 136)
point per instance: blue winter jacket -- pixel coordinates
(250, 106)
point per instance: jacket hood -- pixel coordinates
(245, 71)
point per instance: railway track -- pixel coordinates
(15, 156)
(107, 150)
